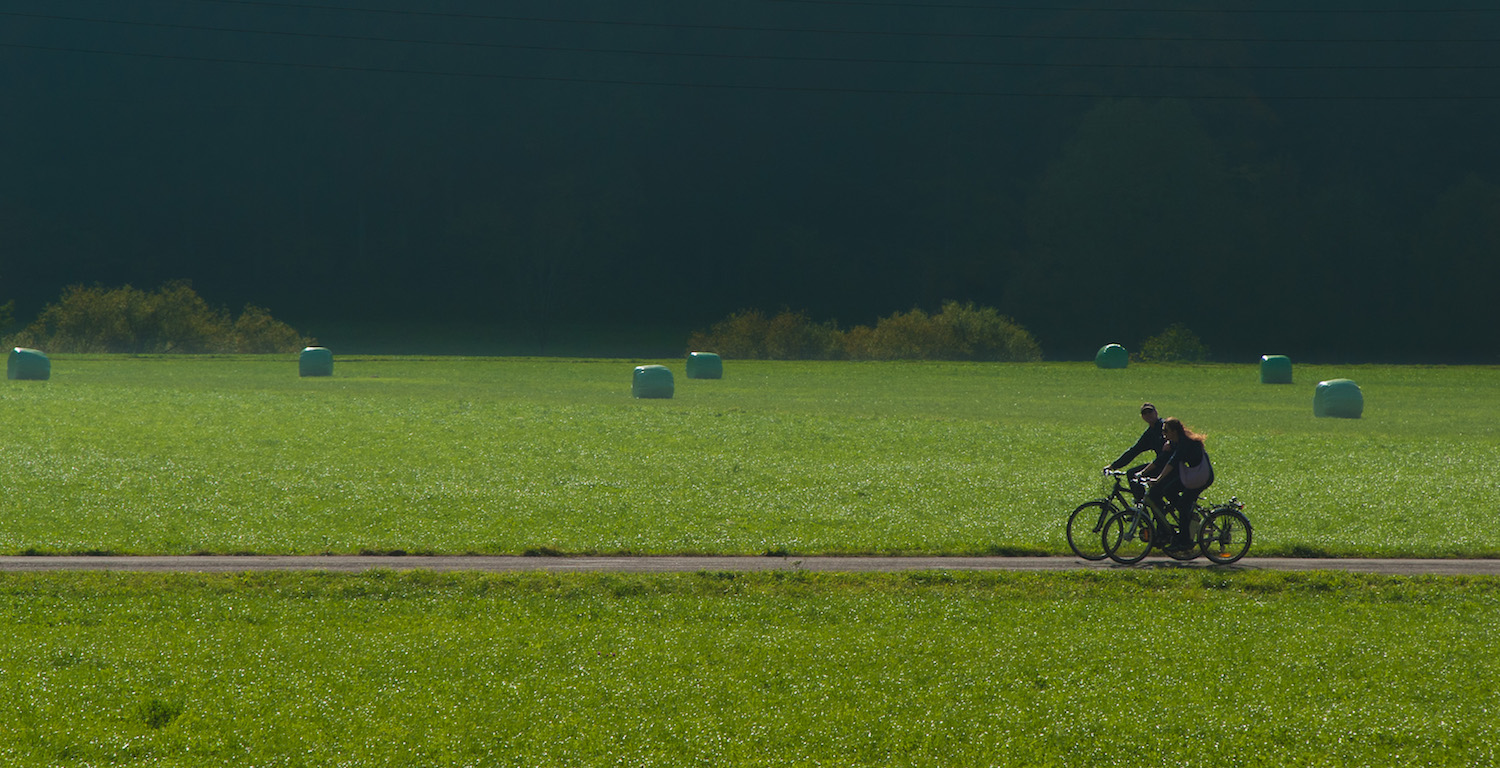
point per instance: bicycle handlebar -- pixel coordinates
(1124, 474)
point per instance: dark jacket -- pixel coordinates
(1151, 440)
(1189, 453)
(1186, 450)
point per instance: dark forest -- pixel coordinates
(1318, 179)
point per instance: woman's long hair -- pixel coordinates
(1174, 424)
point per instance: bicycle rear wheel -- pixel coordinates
(1225, 537)
(1127, 537)
(1086, 528)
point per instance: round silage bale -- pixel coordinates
(651, 381)
(1112, 356)
(704, 365)
(1338, 398)
(28, 364)
(315, 361)
(1275, 369)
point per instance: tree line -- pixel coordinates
(1353, 224)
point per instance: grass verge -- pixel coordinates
(933, 668)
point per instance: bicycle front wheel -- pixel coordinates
(1127, 537)
(1086, 528)
(1225, 537)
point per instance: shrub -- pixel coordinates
(256, 332)
(173, 319)
(1175, 344)
(957, 332)
(794, 336)
(859, 343)
(742, 335)
(749, 335)
(177, 319)
(904, 336)
(982, 333)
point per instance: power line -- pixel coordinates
(747, 57)
(752, 87)
(831, 31)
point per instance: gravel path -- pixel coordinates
(356, 563)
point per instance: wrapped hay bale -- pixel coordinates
(1112, 356)
(1275, 369)
(704, 365)
(28, 364)
(315, 361)
(651, 381)
(1338, 398)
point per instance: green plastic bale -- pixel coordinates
(653, 381)
(28, 364)
(1112, 356)
(315, 361)
(704, 365)
(1338, 398)
(1275, 369)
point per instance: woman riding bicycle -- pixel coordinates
(1186, 475)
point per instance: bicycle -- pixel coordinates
(1086, 524)
(1221, 533)
(1225, 535)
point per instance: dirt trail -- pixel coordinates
(356, 563)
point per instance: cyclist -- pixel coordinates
(1151, 440)
(1170, 486)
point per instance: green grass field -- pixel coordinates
(233, 454)
(1194, 668)
(1123, 667)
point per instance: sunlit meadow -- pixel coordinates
(1196, 668)
(452, 455)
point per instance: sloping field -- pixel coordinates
(507, 456)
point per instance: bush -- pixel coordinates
(794, 336)
(859, 343)
(742, 335)
(958, 332)
(1176, 344)
(908, 336)
(749, 335)
(173, 319)
(256, 332)
(177, 319)
(982, 333)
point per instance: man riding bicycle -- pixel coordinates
(1153, 439)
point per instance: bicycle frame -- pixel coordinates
(1116, 496)
(1159, 519)
(1153, 525)
(1118, 502)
